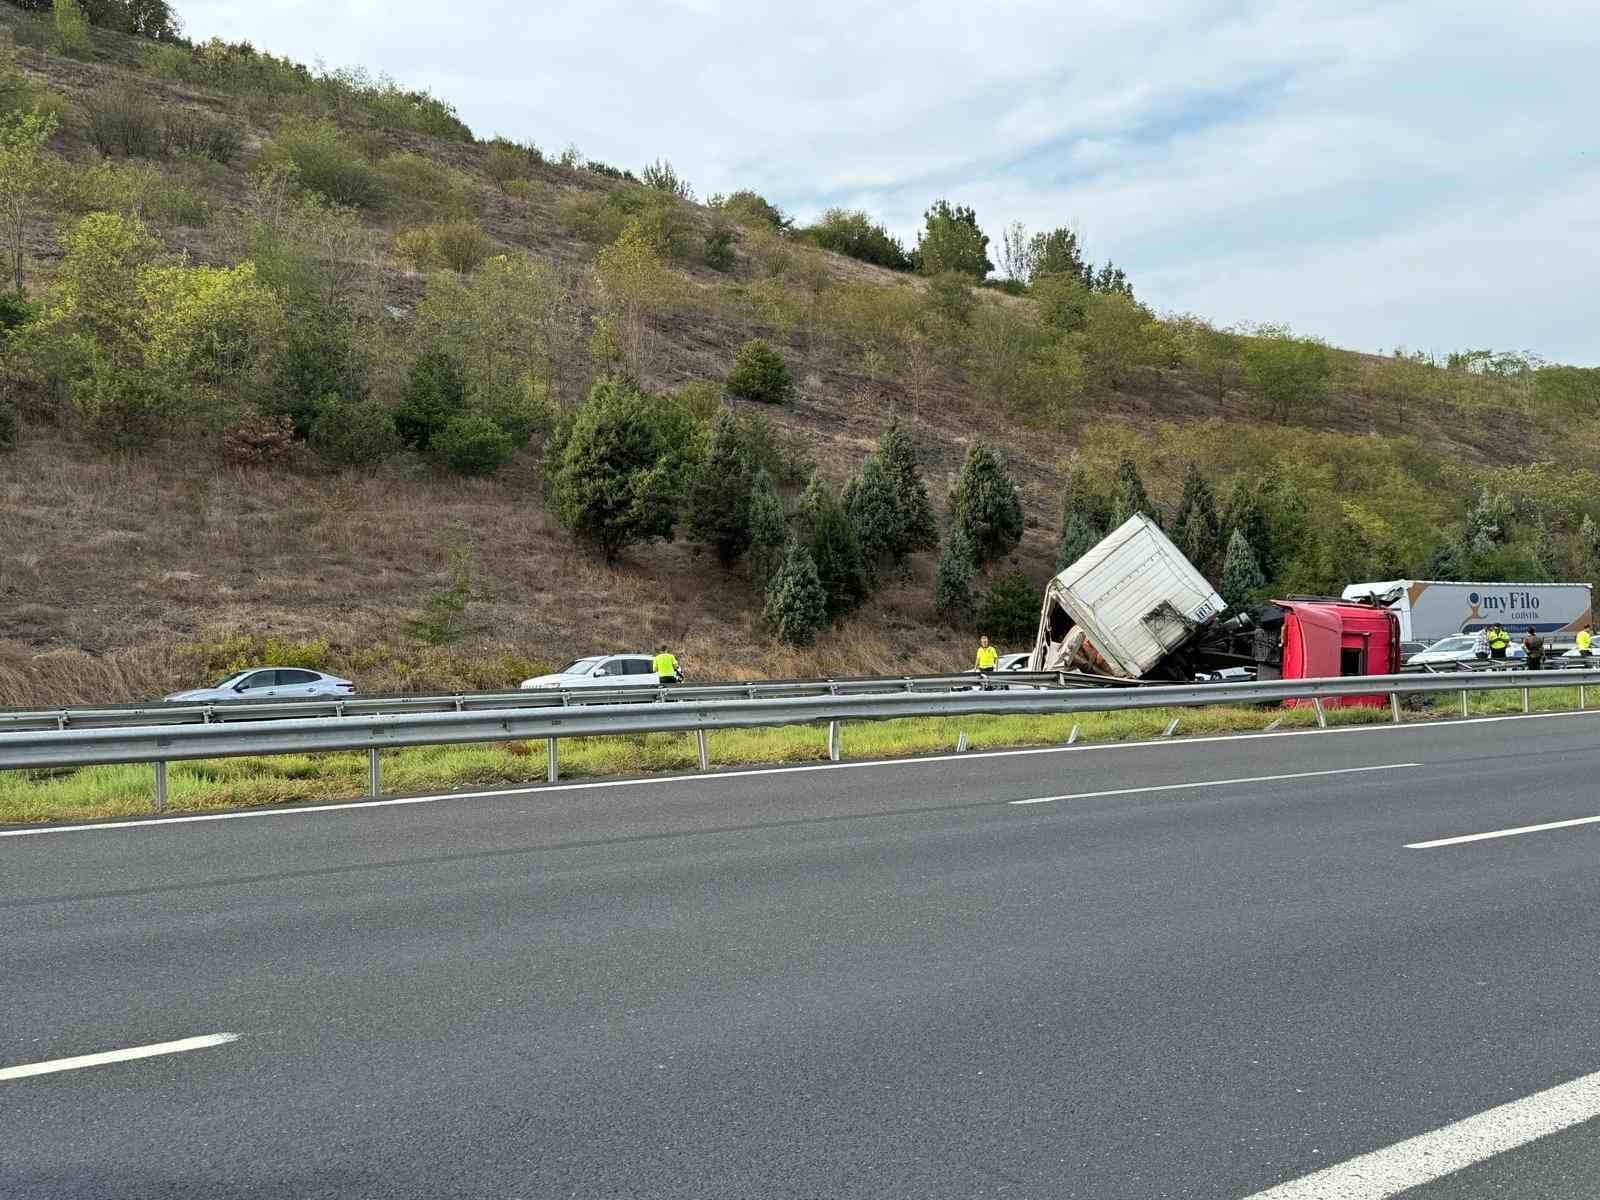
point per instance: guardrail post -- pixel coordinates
(1322, 717)
(374, 773)
(1464, 702)
(961, 743)
(704, 748)
(553, 766)
(1525, 703)
(161, 786)
(1073, 736)
(1581, 698)
(1394, 706)
(833, 741)
(1172, 727)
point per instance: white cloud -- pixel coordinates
(1375, 171)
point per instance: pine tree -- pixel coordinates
(1243, 512)
(719, 497)
(875, 514)
(952, 585)
(1081, 497)
(768, 530)
(1078, 537)
(1196, 530)
(984, 505)
(1241, 574)
(1130, 498)
(835, 550)
(920, 531)
(797, 605)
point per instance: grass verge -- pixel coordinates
(119, 791)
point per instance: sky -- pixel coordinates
(1421, 174)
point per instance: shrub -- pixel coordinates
(459, 245)
(796, 602)
(123, 407)
(326, 164)
(985, 506)
(1011, 609)
(1286, 375)
(424, 186)
(660, 176)
(952, 583)
(258, 439)
(595, 167)
(719, 497)
(854, 233)
(316, 360)
(353, 433)
(8, 423)
(507, 161)
(719, 249)
(123, 120)
(15, 312)
(760, 374)
(190, 132)
(615, 473)
(751, 208)
(701, 399)
(520, 409)
(473, 444)
(436, 393)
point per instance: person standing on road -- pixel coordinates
(666, 666)
(1480, 645)
(1585, 643)
(988, 656)
(1499, 642)
(1534, 645)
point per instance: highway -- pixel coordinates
(1206, 968)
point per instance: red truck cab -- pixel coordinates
(1325, 639)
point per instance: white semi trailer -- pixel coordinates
(1135, 598)
(1429, 609)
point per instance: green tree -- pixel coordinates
(769, 530)
(24, 176)
(835, 549)
(719, 503)
(918, 528)
(1120, 341)
(751, 208)
(952, 241)
(1130, 498)
(759, 374)
(1196, 528)
(874, 511)
(473, 443)
(436, 393)
(1243, 513)
(1286, 375)
(1011, 609)
(1057, 253)
(1078, 537)
(661, 176)
(615, 471)
(72, 27)
(797, 603)
(634, 284)
(985, 506)
(1085, 519)
(952, 584)
(353, 433)
(1241, 574)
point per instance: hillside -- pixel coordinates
(135, 554)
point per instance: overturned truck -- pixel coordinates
(1134, 608)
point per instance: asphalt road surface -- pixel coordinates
(1207, 969)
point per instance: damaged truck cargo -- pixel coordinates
(1134, 608)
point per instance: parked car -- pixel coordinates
(1446, 652)
(1228, 675)
(1572, 660)
(1407, 649)
(269, 683)
(601, 671)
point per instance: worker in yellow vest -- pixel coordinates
(1585, 643)
(988, 656)
(665, 666)
(1499, 641)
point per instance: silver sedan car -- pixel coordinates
(269, 683)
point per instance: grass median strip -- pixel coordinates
(208, 785)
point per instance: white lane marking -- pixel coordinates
(1211, 783)
(1430, 1156)
(712, 776)
(114, 1056)
(1501, 833)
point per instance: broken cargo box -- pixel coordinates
(1134, 597)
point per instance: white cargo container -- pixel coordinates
(1430, 609)
(1136, 597)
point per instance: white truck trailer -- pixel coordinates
(1135, 597)
(1430, 609)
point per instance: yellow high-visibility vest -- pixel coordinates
(988, 658)
(665, 665)
(1585, 639)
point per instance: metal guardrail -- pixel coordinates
(375, 732)
(119, 716)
